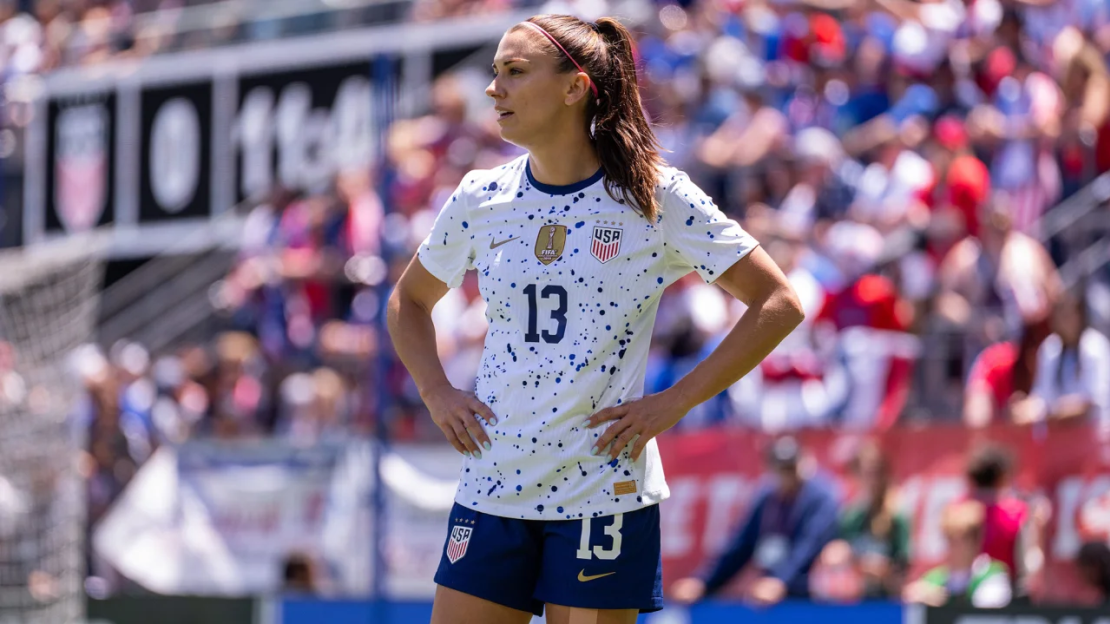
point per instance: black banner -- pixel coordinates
(157, 148)
(298, 128)
(1018, 615)
(175, 160)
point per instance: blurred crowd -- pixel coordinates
(801, 538)
(41, 35)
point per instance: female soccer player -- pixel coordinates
(574, 244)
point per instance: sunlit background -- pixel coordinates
(207, 204)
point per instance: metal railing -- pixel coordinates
(231, 16)
(168, 295)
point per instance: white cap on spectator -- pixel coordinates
(724, 56)
(856, 247)
(87, 362)
(298, 390)
(168, 372)
(132, 357)
(708, 309)
(818, 144)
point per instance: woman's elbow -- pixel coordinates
(792, 310)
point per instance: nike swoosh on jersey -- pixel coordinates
(583, 578)
(493, 245)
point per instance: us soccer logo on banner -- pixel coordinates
(456, 546)
(81, 166)
(606, 244)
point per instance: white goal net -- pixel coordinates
(48, 306)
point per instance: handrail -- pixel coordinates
(218, 14)
(1068, 212)
(154, 271)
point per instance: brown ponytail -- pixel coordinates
(622, 137)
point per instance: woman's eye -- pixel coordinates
(515, 71)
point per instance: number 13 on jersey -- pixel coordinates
(613, 531)
(559, 314)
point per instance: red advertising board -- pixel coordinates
(713, 474)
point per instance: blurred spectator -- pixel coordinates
(790, 521)
(877, 533)
(993, 286)
(864, 323)
(299, 575)
(1073, 369)
(969, 577)
(1093, 561)
(315, 408)
(795, 386)
(1011, 531)
(999, 380)
(826, 181)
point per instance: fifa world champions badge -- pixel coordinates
(550, 242)
(456, 546)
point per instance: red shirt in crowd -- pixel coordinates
(993, 370)
(870, 302)
(1005, 516)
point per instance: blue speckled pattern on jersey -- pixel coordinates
(568, 337)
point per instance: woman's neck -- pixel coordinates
(562, 162)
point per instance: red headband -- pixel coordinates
(543, 32)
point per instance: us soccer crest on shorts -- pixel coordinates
(606, 243)
(456, 546)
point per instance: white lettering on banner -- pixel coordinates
(293, 133)
(676, 517)
(926, 499)
(175, 154)
(312, 143)
(255, 135)
(1071, 493)
(728, 498)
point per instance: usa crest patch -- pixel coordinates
(606, 243)
(456, 546)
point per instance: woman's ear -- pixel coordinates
(577, 89)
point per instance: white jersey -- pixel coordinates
(572, 281)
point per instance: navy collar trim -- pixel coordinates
(567, 189)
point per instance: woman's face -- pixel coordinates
(532, 98)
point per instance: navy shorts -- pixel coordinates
(611, 562)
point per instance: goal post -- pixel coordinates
(48, 308)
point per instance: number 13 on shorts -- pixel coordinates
(613, 531)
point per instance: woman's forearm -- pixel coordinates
(414, 341)
(762, 327)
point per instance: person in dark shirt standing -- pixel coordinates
(790, 522)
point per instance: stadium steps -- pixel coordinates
(158, 307)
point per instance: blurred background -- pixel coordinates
(205, 205)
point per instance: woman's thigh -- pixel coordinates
(560, 614)
(455, 607)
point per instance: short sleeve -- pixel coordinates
(696, 234)
(448, 251)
